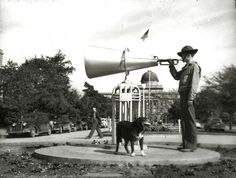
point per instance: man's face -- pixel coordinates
(94, 109)
(186, 57)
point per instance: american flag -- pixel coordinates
(145, 35)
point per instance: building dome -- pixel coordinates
(149, 76)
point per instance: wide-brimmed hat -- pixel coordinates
(187, 49)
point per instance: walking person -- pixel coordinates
(188, 78)
(96, 122)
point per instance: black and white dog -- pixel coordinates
(131, 132)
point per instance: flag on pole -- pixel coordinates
(145, 35)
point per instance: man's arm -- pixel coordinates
(98, 118)
(195, 82)
(174, 73)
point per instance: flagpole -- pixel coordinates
(149, 95)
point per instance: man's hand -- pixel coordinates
(171, 63)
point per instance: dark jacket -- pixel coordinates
(96, 118)
(188, 78)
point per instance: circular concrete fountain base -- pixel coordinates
(162, 155)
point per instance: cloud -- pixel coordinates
(216, 18)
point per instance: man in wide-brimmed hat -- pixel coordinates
(188, 78)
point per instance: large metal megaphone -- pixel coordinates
(107, 66)
(117, 62)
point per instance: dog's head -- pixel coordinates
(141, 122)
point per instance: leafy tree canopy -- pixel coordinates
(223, 84)
(92, 98)
(219, 93)
(39, 84)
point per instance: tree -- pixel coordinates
(8, 74)
(219, 93)
(91, 99)
(51, 83)
(40, 84)
(207, 100)
(174, 111)
(224, 83)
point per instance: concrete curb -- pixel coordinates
(155, 155)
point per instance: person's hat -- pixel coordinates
(187, 49)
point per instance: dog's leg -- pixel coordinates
(126, 146)
(141, 143)
(117, 146)
(118, 138)
(132, 148)
(141, 146)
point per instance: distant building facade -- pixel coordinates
(156, 101)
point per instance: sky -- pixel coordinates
(30, 28)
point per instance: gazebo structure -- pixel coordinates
(126, 104)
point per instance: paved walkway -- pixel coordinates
(150, 139)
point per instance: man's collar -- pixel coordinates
(189, 63)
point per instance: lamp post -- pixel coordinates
(149, 93)
(143, 86)
(1, 59)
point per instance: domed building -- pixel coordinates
(155, 102)
(150, 80)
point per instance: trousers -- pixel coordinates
(188, 122)
(95, 126)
